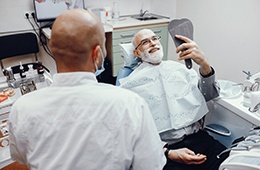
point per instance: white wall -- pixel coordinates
(126, 7)
(12, 15)
(228, 32)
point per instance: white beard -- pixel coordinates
(154, 58)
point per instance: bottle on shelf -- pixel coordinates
(22, 72)
(31, 72)
(246, 97)
(9, 74)
(115, 11)
(40, 69)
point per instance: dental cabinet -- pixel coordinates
(125, 35)
(234, 116)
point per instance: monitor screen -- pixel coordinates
(48, 10)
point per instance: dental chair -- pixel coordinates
(130, 62)
(19, 45)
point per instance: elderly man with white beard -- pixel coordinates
(177, 99)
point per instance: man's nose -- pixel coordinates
(152, 42)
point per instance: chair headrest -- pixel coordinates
(130, 60)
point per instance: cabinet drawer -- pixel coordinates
(116, 49)
(158, 30)
(132, 32)
(122, 41)
(118, 58)
(124, 34)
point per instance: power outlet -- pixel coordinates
(29, 13)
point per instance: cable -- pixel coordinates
(33, 26)
(46, 49)
(33, 15)
(49, 24)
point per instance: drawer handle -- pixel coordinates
(125, 42)
(127, 35)
(157, 31)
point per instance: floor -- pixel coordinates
(15, 166)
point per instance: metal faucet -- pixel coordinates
(143, 13)
(255, 109)
(254, 87)
(248, 74)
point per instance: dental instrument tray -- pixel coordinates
(27, 87)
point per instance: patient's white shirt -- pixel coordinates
(171, 91)
(79, 124)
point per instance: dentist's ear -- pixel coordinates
(96, 53)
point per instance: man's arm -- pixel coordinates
(186, 156)
(208, 86)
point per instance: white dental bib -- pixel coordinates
(171, 91)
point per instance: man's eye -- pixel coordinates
(145, 42)
(155, 38)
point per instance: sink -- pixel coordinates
(144, 18)
(147, 16)
(229, 89)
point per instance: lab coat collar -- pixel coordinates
(73, 78)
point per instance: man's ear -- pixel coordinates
(136, 53)
(95, 53)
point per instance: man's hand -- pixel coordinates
(186, 156)
(190, 49)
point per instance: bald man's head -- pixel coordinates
(140, 35)
(75, 34)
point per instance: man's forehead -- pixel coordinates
(144, 34)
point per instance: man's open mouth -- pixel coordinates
(154, 49)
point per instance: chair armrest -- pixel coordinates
(218, 129)
(122, 72)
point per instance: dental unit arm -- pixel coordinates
(245, 154)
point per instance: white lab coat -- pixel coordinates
(80, 124)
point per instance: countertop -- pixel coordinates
(236, 106)
(122, 22)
